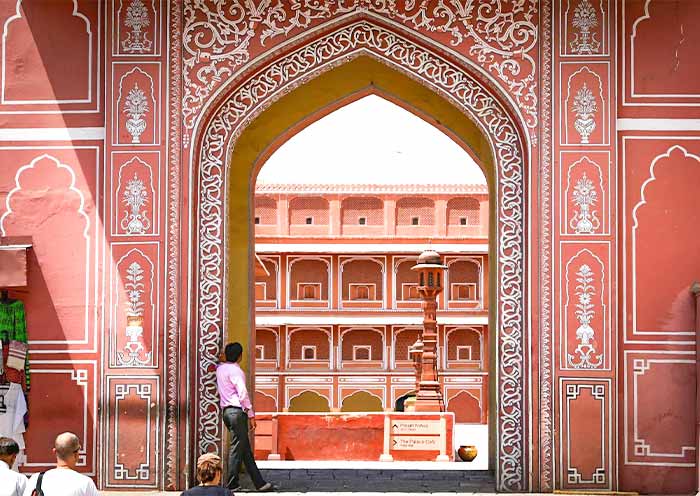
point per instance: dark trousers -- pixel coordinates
(236, 421)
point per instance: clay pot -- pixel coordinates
(467, 453)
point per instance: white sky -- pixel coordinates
(371, 141)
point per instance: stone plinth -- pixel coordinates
(356, 436)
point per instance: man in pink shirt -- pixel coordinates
(237, 413)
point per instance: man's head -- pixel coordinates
(233, 352)
(8, 450)
(209, 468)
(67, 448)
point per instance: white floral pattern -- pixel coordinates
(135, 220)
(136, 106)
(585, 108)
(586, 356)
(137, 19)
(584, 195)
(585, 19)
(498, 35)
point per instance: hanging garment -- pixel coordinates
(13, 327)
(17, 355)
(12, 410)
(13, 321)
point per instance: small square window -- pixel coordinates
(259, 352)
(414, 221)
(464, 353)
(308, 353)
(462, 221)
(309, 220)
(362, 221)
(257, 220)
(361, 352)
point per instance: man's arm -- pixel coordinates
(242, 390)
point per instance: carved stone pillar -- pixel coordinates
(430, 271)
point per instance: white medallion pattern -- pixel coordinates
(585, 19)
(137, 19)
(136, 106)
(585, 108)
(135, 220)
(586, 356)
(584, 196)
(256, 94)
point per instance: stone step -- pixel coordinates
(378, 480)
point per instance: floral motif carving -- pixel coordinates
(585, 108)
(253, 96)
(135, 221)
(136, 106)
(133, 349)
(585, 220)
(137, 19)
(587, 357)
(585, 18)
(499, 35)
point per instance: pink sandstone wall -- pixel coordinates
(73, 139)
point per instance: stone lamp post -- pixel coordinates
(431, 275)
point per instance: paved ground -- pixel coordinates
(380, 481)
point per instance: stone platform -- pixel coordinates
(384, 481)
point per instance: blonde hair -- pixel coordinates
(208, 465)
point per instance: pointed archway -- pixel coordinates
(286, 91)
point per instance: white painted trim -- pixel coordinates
(328, 248)
(351, 320)
(658, 124)
(52, 134)
(75, 13)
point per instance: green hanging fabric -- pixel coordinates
(13, 327)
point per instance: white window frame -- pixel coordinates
(264, 286)
(300, 293)
(408, 285)
(371, 290)
(305, 348)
(358, 347)
(469, 349)
(454, 291)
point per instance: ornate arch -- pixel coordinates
(290, 71)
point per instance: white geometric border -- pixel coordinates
(626, 431)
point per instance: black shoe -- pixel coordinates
(266, 488)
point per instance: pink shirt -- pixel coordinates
(230, 381)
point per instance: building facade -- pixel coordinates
(131, 134)
(337, 306)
